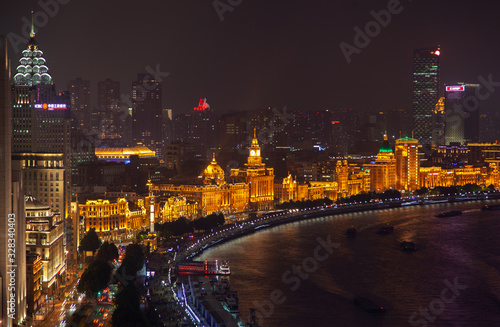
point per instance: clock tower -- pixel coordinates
(254, 158)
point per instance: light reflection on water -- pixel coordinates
(372, 265)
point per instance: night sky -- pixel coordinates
(264, 53)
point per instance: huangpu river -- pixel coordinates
(307, 273)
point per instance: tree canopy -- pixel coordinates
(90, 241)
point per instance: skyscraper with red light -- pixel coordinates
(425, 94)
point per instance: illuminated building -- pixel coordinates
(41, 122)
(430, 177)
(175, 207)
(342, 178)
(117, 154)
(383, 171)
(359, 181)
(105, 216)
(260, 178)
(425, 93)
(481, 153)
(461, 113)
(43, 177)
(45, 236)
(286, 190)
(407, 164)
(439, 113)
(215, 195)
(80, 102)
(34, 282)
(11, 209)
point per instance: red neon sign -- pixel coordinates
(458, 88)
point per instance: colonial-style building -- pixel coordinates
(259, 177)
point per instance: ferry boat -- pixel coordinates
(203, 268)
(449, 214)
(491, 207)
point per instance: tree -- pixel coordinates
(95, 278)
(107, 252)
(90, 241)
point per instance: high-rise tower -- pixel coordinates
(461, 123)
(425, 94)
(12, 220)
(80, 102)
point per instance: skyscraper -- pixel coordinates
(147, 113)
(80, 102)
(425, 94)
(461, 118)
(41, 124)
(108, 101)
(12, 221)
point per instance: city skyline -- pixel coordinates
(262, 54)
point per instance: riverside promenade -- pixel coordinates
(238, 229)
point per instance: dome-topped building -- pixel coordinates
(214, 174)
(32, 70)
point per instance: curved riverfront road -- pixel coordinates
(453, 279)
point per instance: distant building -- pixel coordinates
(107, 123)
(425, 94)
(461, 113)
(407, 164)
(147, 113)
(80, 102)
(122, 154)
(383, 170)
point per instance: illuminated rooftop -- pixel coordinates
(123, 153)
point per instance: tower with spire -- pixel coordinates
(259, 177)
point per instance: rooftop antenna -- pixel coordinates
(32, 34)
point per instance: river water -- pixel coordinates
(453, 279)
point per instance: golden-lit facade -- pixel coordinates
(176, 207)
(116, 154)
(259, 177)
(215, 196)
(45, 236)
(383, 171)
(104, 215)
(33, 282)
(359, 181)
(431, 177)
(342, 178)
(407, 164)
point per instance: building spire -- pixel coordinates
(213, 157)
(32, 34)
(385, 136)
(255, 133)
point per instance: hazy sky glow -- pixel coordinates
(263, 53)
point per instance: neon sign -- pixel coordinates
(458, 88)
(50, 106)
